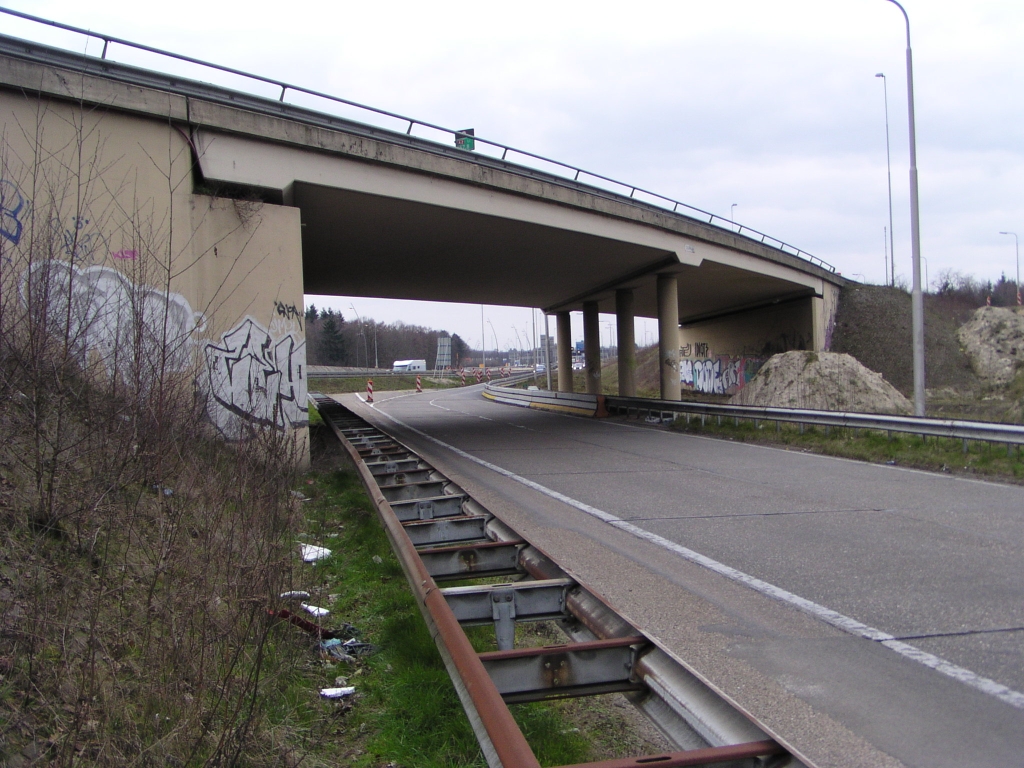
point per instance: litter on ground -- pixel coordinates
(315, 610)
(337, 693)
(297, 594)
(311, 552)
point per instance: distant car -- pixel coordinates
(539, 368)
(578, 366)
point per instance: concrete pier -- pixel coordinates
(592, 346)
(624, 327)
(668, 336)
(564, 351)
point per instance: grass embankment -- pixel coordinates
(935, 454)
(405, 711)
(140, 560)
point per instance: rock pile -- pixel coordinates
(824, 381)
(993, 341)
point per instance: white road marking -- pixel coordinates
(834, 618)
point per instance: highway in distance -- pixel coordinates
(864, 615)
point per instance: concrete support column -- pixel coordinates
(564, 352)
(668, 336)
(592, 346)
(624, 327)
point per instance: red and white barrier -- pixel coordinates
(419, 385)
(463, 373)
(369, 390)
(479, 375)
(487, 373)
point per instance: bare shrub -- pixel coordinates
(138, 552)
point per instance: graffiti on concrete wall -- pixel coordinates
(256, 378)
(12, 209)
(133, 330)
(251, 377)
(722, 375)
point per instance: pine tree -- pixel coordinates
(332, 344)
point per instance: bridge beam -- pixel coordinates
(564, 324)
(668, 336)
(624, 325)
(592, 346)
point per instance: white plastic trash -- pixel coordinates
(297, 594)
(315, 610)
(337, 693)
(311, 552)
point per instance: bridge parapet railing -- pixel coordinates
(567, 173)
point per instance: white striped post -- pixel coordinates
(369, 390)
(463, 374)
(419, 386)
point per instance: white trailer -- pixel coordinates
(404, 366)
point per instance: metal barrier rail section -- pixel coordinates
(591, 405)
(440, 535)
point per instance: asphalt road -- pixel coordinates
(921, 570)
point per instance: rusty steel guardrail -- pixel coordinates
(280, 107)
(440, 533)
(588, 405)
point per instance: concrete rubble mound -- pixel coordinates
(824, 381)
(993, 341)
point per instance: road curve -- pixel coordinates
(866, 615)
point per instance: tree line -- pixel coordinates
(331, 340)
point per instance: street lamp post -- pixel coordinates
(483, 339)
(1016, 249)
(888, 167)
(497, 349)
(916, 299)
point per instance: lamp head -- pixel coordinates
(880, 74)
(1004, 233)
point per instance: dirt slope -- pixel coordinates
(821, 381)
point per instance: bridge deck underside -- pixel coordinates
(360, 244)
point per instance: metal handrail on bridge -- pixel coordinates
(662, 200)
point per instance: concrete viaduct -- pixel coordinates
(260, 201)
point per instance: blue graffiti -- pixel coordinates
(12, 205)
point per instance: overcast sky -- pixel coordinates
(773, 106)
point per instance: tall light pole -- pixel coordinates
(497, 349)
(366, 353)
(483, 339)
(916, 299)
(732, 213)
(888, 168)
(1016, 248)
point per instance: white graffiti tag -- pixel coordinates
(256, 379)
(135, 331)
(722, 375)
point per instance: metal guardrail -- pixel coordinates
(317, 372)
(661, 202)
(1011, 434)
(442, 534)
